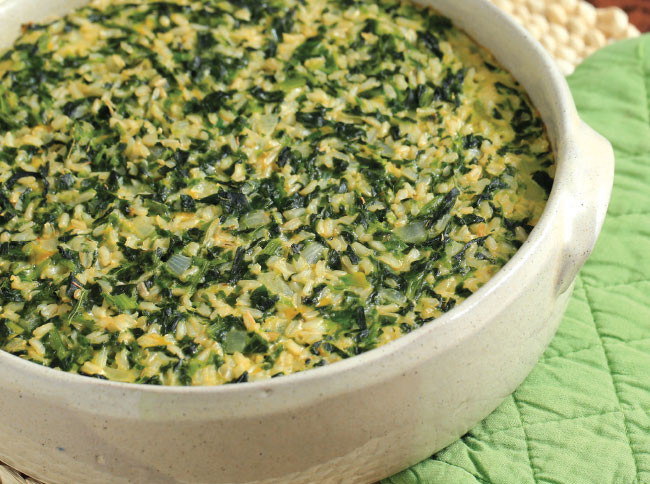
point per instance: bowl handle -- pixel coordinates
(586, 202)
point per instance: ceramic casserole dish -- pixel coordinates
(361, 419)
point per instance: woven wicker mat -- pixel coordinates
(570, 30)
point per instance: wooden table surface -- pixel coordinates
(638, 10)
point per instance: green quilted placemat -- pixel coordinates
(583, 414)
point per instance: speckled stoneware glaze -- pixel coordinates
(358, 420)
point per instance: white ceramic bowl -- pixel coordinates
(358, 420)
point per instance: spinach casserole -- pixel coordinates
(199, 192)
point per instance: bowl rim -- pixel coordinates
(494, 288)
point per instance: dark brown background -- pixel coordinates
(638, 10)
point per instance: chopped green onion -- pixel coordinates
(275, 284)
(293, 82)
(294, 213)
(312, 252)
(235, 340)
(268, 122)
(412, 233)
(273, 247)
(392, 296)
(178, 263)
(253, 220)
(121, 301)
(57, 343)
